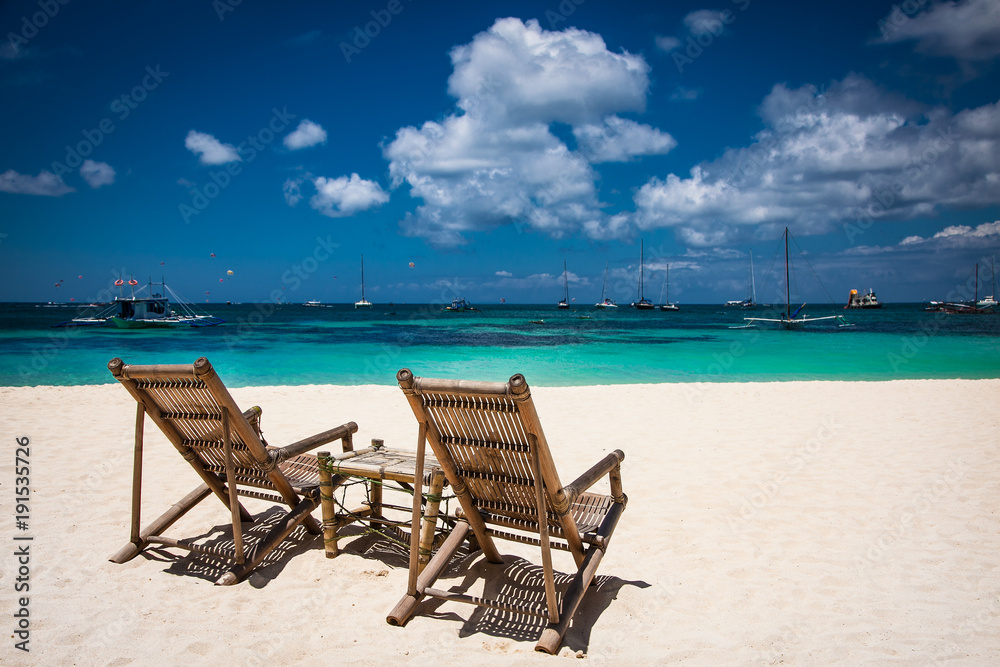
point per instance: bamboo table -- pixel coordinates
(377, 464)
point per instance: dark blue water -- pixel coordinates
(264, 344)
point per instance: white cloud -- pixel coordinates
(46, 184)
(344, 196)
(618, 139)
(496, 162)
(293, 191)
(504, 274)
(705, 21)
(305, 135)
(967, 30)
(960, 236)
(833, 157)
(97, 173)
(209, 149)
(685, 94)
(667, 44)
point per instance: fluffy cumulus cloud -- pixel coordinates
(338, 197)
(209, 149)
(97, 173)
(853, 153)
(706, 21)
(305, 135)
(960, 236)
(967, 29)
(46, 184)
(496, 161)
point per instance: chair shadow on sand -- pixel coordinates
(191, 564)
(517, 581)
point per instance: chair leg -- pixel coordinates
(167, 519)
(430, 518)
(267, 545)
(404, 608)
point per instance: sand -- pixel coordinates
(808, 523)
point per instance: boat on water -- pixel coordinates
(605, 302)
(989, 301)
(791, 320)
(869, 300)
(751, 300)
(666, 305)
(363, 303)
(974, 307)
(313, 304)
(460, 305)
(564, 304)
(643, 303)
(144, 309)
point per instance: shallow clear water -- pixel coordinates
(261, 344)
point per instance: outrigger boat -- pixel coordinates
(789, 320)
(977, 307)
(459, 306)
(154, 310)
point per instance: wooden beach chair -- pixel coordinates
(487, 438)
(196, 413)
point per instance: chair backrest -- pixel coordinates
(487, 438)
(187, 403)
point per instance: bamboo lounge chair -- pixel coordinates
(196, 413)
(487, 438)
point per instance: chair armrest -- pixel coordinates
(312, 442)
(608, 465)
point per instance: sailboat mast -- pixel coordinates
(976, 300)
(640, 271)
(753, 285)
(362, 277)
(565, 283)
(788, 301)
(605, 287)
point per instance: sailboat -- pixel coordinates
(643, 303)
(990, 301)
(788, 319)
(564, 304)
(605, 302)
(666, 305)
(751, 301)
(363, 303)
(973, 308)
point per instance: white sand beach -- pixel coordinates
(804, 523)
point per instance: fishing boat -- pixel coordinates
(363, 303)
(666, 305)
(751, 300)
(791, 320)
(643, 303)
(868, 300)
(460, 305)
(605, 302)
(144, 309)
(564, 304)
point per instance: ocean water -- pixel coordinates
(264, 344)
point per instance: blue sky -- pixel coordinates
(487, 142)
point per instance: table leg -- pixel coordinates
(326, 503)
(430, 517)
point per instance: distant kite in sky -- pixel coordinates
(229, 273)
(412, 265)
(213, 255)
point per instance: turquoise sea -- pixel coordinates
(264, 344)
